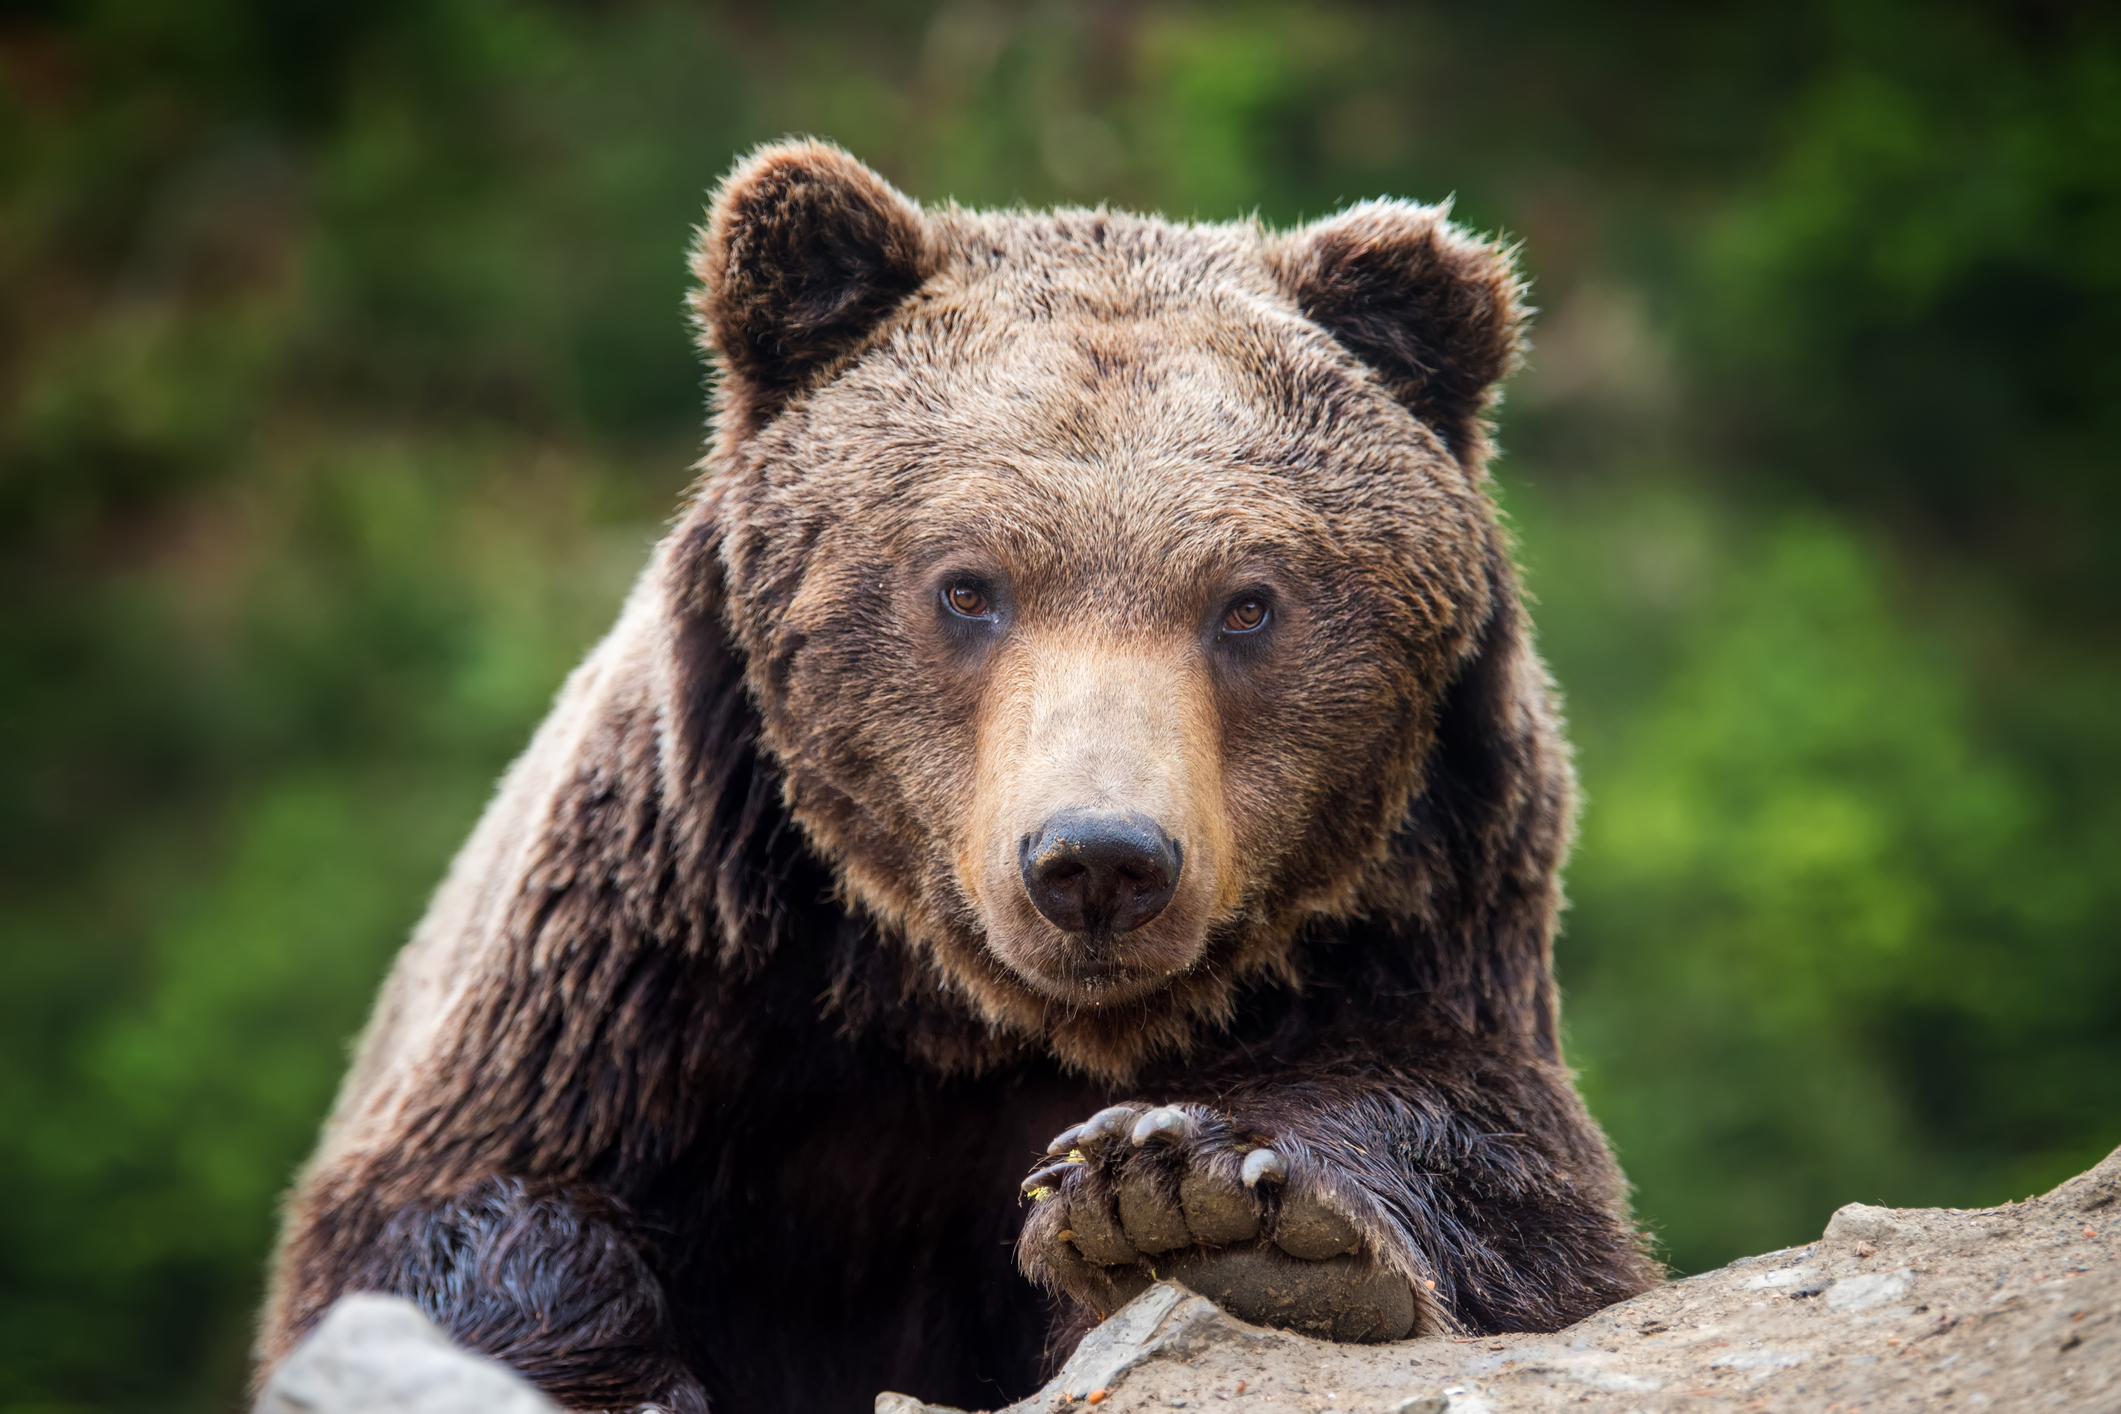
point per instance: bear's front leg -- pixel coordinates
(552, 1280)
(1355, 1208)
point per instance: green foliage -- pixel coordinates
(343, 384)
(1821, 926)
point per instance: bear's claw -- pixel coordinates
(1116, 1119)
(1167, 1125)
(1187, 1197)
(1265, 1166)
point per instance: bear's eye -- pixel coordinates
(967, 601)
(1245, 616)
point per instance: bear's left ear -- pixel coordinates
(805, 251)
(1438, 313)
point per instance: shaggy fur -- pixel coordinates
(709, 1077)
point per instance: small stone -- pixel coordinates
(1854, 1221)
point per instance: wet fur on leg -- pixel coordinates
(553, 1281)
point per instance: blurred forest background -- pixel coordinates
(343, 388)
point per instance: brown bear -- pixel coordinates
(1086, 691)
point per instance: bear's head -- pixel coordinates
(1117, 597)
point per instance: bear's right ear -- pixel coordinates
(804, 251)
(1435, 311)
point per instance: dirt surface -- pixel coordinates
(2010, 1308)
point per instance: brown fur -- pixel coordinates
(730, 1028)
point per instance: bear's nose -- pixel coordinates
(1093, 871)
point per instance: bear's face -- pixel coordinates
(1096, 601)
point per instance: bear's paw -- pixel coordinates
(1137, 1194)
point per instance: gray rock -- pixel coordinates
(378, 1355)
(1122, 1342)
(1165, 1322)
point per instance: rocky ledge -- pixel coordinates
(2010, 1308)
